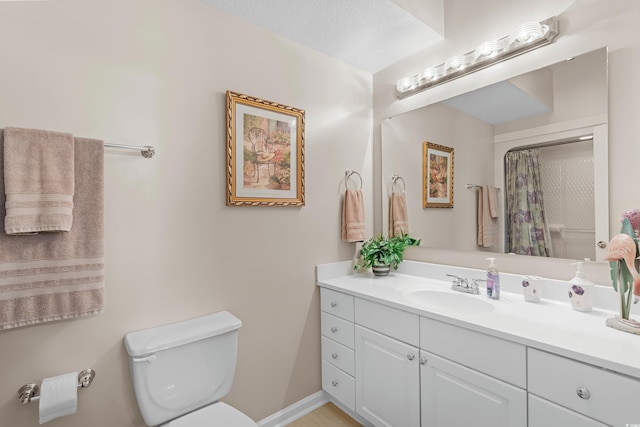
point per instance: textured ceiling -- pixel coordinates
(368, 34)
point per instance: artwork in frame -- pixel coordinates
(437, 176)
(265, 152)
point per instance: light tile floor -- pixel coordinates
(328, 415)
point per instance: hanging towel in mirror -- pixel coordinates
(398, 218)
(39, 181)
(493, 201)
(487, 226)
(54, 276)
(353, 226)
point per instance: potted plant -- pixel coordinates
(381, 253)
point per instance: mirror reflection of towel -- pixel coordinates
(398, 218)
(487, 224)
(353, 225)
(492, 193)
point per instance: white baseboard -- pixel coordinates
(295, 411)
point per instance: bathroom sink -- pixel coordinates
(449, 300)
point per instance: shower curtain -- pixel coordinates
(527, 231)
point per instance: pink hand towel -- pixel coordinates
(39, 181)
(353, 225)
(487, 226)
(398, 217)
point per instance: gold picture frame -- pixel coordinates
(437, 176)
(265, 152)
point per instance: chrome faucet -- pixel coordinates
(461, 284)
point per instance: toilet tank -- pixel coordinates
(180, 367)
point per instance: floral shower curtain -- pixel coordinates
(527, 231)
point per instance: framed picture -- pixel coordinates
(265, 153)
(437, 176)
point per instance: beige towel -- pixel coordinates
(52, 276)
(487, 226)
(353, 226)
(493, 201)
(39, 181)
(398, 218)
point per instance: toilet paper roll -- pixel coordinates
(58, 396)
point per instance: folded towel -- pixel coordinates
(353, 225)
(39, 181)
(398, 218)
(52, 276)
(493, 201)
(487, 226)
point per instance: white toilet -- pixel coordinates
(180, 371)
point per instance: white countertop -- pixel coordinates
(550, 325)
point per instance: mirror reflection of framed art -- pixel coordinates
(437, 176)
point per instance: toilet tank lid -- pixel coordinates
(148, 341)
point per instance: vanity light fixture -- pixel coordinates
(526, 37)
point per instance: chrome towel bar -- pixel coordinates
(147, 151)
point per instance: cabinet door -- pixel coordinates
(544, 414)
(387, 380)
(454, 396)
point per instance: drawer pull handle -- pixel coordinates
(423, 360)
(334, 329)
(334, 355)
(411, 356)
(334, 383)
(333, 303)
(583, 393)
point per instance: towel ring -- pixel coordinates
(395, 179)
(347, 175)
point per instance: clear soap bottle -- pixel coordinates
(493, 280)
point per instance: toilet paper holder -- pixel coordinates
(31, 392)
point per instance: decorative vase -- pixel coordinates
(381, 269)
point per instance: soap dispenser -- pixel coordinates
(581, 290)
(493, 280)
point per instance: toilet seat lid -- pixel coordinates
(218, 414)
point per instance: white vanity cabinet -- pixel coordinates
(469, 378)
(395, 362)
(338, 361)
(387, 368)
(593, 392)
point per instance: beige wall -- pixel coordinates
(155, 72)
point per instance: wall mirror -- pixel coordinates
(563, 106)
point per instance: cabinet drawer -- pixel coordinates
(398, 324)
(612, 398)
(493, 356)
(337, 329)
(336, 303)
(339, 385)
(545, 414)
(338, 355)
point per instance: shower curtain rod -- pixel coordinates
(147, 151)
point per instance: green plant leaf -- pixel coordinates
(626, 279)
(627, 228)
(613, 272)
